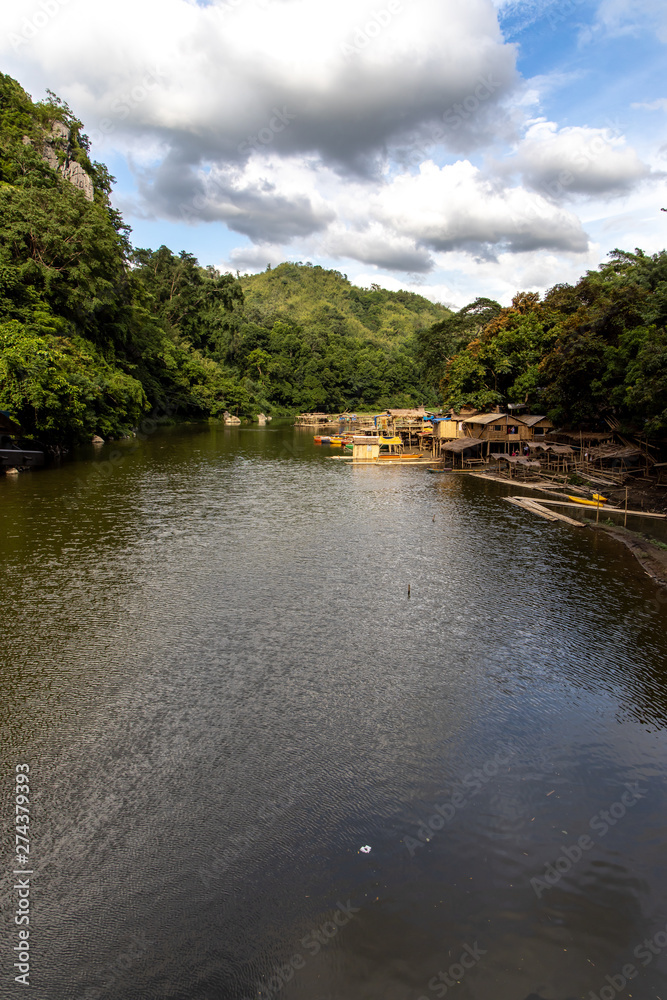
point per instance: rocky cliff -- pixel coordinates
(55, 149)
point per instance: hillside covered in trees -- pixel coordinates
(94, 333)
(592, 353)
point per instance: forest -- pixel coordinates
(587, 355)
(95, 333)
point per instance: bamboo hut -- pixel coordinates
(538, 425)
(466, 449)
(498, 428)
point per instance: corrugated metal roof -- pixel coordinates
(533, 419)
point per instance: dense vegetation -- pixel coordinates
(94, 333)
(592, 352)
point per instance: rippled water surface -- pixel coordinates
(212, 667)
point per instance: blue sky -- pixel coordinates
(457, 150)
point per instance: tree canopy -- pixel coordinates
(583, 353)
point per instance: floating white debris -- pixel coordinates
(365, 850)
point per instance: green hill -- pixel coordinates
(95, 333)
(311, 296)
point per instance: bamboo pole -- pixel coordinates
(625, 519)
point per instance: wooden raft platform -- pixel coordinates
(527, 503)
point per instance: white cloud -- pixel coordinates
(378, 245)
(561, 162)
(350, 77)
(618, 17)
(658, 105)
(296, 124)
(456, 206)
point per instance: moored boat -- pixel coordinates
(589, 503)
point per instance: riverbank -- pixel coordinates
(651, 555)
(649, 552)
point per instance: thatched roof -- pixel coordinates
(462, 444)
(418, 413)
(557, 449)
(516, 460)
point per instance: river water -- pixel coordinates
(211, 667)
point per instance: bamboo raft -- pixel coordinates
(527, 503)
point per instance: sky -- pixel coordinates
(456, 148)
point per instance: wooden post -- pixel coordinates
(597, 513)
(625, 519)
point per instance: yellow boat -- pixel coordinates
(336, 440)
(589, 503)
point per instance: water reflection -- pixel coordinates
(211, 660)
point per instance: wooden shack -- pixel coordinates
(448, 428)
(365, 449)
(537, 425)
(467, 450)
(498, 428)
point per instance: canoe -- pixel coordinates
(587, 503)
(597, 496)
(402, 458)
(437, 470)
(318, 439)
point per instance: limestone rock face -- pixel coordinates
(58, 137)
(77, 176)
(59, 131)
